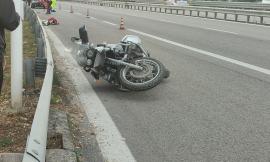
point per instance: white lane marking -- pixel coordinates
(107, 22)
(233, 61)
(111, 142)
(224, 31)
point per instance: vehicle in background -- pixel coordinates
(38, 4)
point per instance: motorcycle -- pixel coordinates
(126, 65)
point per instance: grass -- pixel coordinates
(56, 93)
(5, 141)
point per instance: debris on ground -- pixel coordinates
(50, 21)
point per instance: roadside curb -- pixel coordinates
(58, 125)
(60, 155)
(59, 129)
(11, 157)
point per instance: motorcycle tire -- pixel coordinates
(145, 85)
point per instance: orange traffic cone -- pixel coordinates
(122, 24)
(87, 14)
(71, 9)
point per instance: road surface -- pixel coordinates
(216, 104)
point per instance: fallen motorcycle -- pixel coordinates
(126, 65)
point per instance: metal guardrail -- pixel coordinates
(250, 16)
(37, 140)
(236, 5)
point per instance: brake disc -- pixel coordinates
(140, 74)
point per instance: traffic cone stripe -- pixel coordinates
(122, 24)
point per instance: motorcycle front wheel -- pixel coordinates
(138, 80)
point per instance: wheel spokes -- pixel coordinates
(150, 67)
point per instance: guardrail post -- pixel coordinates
(206, 14)
(17, 62)
(225, 16)
(261, 19)
(236, 17)
(215, 15)
(29, 73)
(37, 31)
(198, 13)
(190, 12)
(40, 48)
(248, 18)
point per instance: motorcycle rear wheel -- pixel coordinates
(138, 80)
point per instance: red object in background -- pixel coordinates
(44, 2)
(52, 21)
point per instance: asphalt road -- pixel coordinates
(209, 109)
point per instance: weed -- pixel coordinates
(5, 141)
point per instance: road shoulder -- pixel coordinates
(111, 144)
